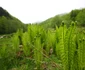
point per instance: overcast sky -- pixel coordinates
(30, 11)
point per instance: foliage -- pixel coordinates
(4, 13)
(80, 18)
(59, 49)
(75, 15)
(51, 45)
(8, 23)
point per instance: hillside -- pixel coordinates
(4, 13)
(8, 23)
(75, 15)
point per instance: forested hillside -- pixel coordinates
(8, 23)
(75, 15)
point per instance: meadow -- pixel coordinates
(40, 49)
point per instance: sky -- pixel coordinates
(30, 11)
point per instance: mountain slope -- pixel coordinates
(4, 13)
(75, 15)
(8, 23)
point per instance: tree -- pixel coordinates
(56, 22)
(80, 18)
(73, 14)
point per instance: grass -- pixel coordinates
(10, 60)
(6, 39)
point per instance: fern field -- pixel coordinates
(60, 49)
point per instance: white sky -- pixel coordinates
(30, 11)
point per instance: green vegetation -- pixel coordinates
(40, 49)
(75, 15)
(55, 44)
(8, 23)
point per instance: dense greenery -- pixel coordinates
(55, 44)
(75, 15)
(8, 23)
(40, 49)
